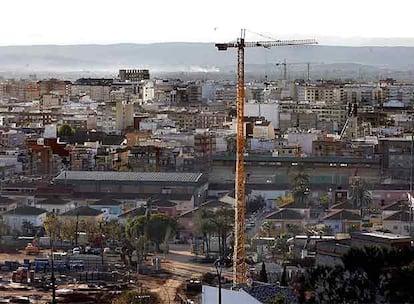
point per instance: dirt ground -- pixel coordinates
(177, 267)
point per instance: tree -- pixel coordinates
(157, 226)
(324, 200)
(137, 297)
(223, 221)
(280, 246)
(368, 275)
(263, 274)
(266, 228)
(112, 230)
(52, 227)
(258, 203)
(68, 230)
(66, 131)
(161, 226)
(326, 230)
(91, 228)
(280, 298)
(294, 229)
(360, 196)
(300, 186)
(282, 200)
(204, 226)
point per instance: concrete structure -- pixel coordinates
(124, 115)
(98, 89)
(270, 111)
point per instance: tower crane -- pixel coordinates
(239, 264)
(285, 64)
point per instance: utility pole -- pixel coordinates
(52, 277)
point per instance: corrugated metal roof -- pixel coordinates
(131, 176)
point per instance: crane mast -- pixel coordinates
(239, 257)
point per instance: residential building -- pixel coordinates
(17, 218)
(84, 214)
(111, 208)
(7, 204)
(55, 204)
(343, 221)
(284, 220)
(124, 115)
(82, 158)
(98, 89)
(400, 223)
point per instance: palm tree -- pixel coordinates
(223, 220)
(204, 226)
(300, 186)
(360, 196)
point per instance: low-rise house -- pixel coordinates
(399, 223)
(18, 217)
(55, 205)
(343, 221)
(285, 219)
(110, 207)
(393, 207)
(6, 204)
(84, 213)
(164, 206)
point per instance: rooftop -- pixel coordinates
(347, 205)
(131, 176)
(285, 214)
(25, 210)
(403, 216)
(343, 215)
(106, 201)
(82, 211)
(134, 212)
(380, 235)
(54, 200)
(265, 292)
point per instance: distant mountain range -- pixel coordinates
(203, 57)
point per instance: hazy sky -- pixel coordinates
(104, 21)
